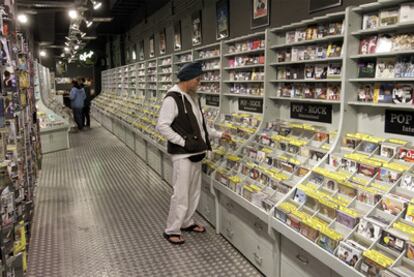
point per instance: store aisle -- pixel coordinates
(100, 211)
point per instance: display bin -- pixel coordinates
(54, 139)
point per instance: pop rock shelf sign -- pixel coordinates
(311, 112)
(399, 122)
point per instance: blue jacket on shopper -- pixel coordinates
(77, 97)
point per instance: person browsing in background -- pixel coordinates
(77, 98)
(86, 119)
(182, 123)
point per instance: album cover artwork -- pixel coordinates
(370, 21)
(369, 229)
(403, 94)
(368, 45)
(348, 253)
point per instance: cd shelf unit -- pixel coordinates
(298, 197)
(165, 73)
(151, 75)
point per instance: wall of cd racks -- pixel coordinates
(319, 177)
(20, 149)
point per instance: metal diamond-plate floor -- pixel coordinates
(100, 211)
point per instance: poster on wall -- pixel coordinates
(260, 13)
(151, 47)
(318, 5)
(177, 36)
(163, 42)
(196, 34)
(222, 17)
(141, 50)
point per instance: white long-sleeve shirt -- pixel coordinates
(169, 112)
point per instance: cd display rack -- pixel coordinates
(318, 180)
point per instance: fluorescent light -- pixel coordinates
(89, 37)
(73, 14)
(102, 19)
(88, 23)
(83, 34)
(134, 55)
(96, 4)
(22, 18)
(66, 49)
(42, 53)
(76, 47)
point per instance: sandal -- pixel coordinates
(168, 237)
(192, 228)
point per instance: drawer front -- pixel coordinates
(168, 169)
(212, 210)
(301, 261)
(255, 226)
(205, 187)
(260, 255)
(129, 139)
(154, 159)
(140, 147)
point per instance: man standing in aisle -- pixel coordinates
(86, 119)
(182, 122)
(77, 97)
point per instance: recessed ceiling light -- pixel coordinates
(76, 47)
(22, 18)
(42, 53)
(62, 55)
(66, 49)
(73, 14)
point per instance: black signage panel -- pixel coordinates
(251, 105)
(311, 112)
(213, 100)
(399, 122)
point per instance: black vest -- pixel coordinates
(186, 125)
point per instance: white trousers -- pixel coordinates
(184, 201)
